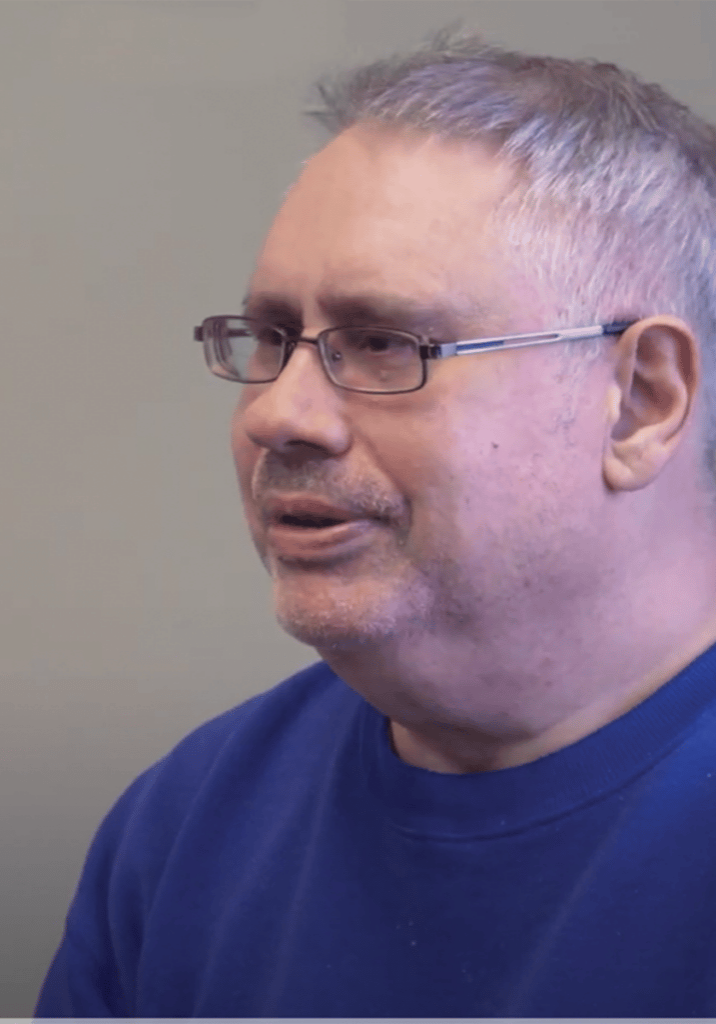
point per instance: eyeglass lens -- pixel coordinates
(372, 359)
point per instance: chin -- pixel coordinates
(327, 635)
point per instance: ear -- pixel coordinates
(650, 400)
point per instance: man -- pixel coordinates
(495, 795)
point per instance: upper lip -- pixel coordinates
(307, 506)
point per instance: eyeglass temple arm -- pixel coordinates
(437, 351)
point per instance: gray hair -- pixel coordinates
(614, 202)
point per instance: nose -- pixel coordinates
(302, 407)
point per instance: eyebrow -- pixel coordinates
(447, 315)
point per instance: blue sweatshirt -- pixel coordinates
(282, 861)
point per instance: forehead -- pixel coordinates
(376, 211)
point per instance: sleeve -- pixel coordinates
(77, 986)
(93, 973)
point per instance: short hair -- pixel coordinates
(614, 202)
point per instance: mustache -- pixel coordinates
(311, 480)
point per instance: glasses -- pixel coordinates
(372, 360)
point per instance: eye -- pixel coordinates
(384, 343)
(267, 334)
(375, 342)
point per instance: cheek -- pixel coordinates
(475, 457)
(442, 476)
(245, 454)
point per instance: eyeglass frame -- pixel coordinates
(428, 348)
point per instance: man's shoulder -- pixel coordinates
(286, 731)
(297, 700)
(288, 714)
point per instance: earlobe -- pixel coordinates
(625, 468)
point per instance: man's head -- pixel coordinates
(514, 512)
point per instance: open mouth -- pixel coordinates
(309, 522)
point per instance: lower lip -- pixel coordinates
(318, 544)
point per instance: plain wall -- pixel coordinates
(144, 148)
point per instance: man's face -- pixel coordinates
(485, 505)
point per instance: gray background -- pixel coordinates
(144, 147)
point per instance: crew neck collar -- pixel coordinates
(484, 804)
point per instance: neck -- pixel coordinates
(454, 708)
